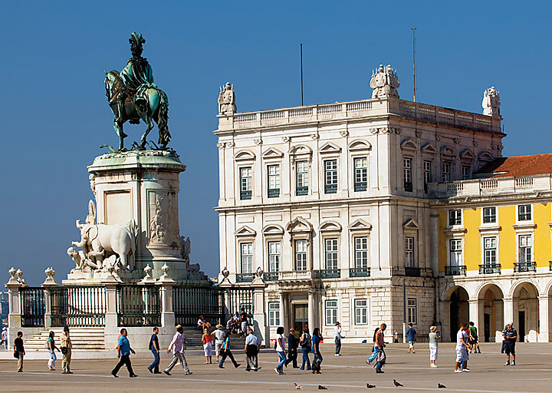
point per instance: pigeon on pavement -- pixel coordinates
(397, 383)
(297, 386)
(369, 386)
(320, 387)
(441, 386)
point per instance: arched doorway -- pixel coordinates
(526, 312)
(493, 312)
(459, 310)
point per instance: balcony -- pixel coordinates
(329, 273)
(459, 270)
(412, 271)
(299, 275)
(273, 192)
(302, 191)
(330, 188)
(489, 268)
(270, 276)
(361, 186)
(525, 267)
(244, 195)
(359, 272)
(245, 277)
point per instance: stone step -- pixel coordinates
(88, 339)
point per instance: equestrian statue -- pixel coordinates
(132, 96)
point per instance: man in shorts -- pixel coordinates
(462, 348)
(510, 336)
(411, 338)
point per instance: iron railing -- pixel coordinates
(138, 305)
(412, 271)
(330, 188)
(489, 268)
(302, 191)
(270, 276)
(238, 299)
(273, 192)
(190, 302)
(408, 186)
(361, 186)
(359, 272)
(329, 273)
(459, 270)
(524, 267)
(244, 195)
(78, 306)
(245, 277)
(33, 306)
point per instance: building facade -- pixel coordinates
(328, 208)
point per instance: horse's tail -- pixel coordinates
(163, 119)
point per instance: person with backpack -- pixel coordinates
(51, 345)
(305, 344)
(317, 359)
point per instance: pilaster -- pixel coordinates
(544, 319)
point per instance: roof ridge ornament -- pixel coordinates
(491, 102)
(384, 82)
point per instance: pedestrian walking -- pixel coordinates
(395, 336)
(225, 352)
(280, 350)
(462, 347)
(317, 358)
(220, 336)
(123, 354)
(5, 337)
(410, 335)
(381, 357)
(509, 336)
(474, 339)
(434, 337)
(177, 346)
(19, 351)
(337, 338)
(305, 342)
(292, 348)
(52, 351)
(66, 347)
(374, 348)
(252, 346)
(155, 350)
(207, 341)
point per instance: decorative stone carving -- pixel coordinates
(221, 145)
(315, 136)
(148, 279)
(491, 102)
(437, 137)
(258, 141)
(165, 269)
(185, 248)
(457, 141)
(286, 139)
(19, 274)
(418, 134)
(230, 145)
(344, 133)
(13, 280)
(384, 83)
(50, 273)
(227, 100)
(161, 228)
(259, 272)
(225, 272)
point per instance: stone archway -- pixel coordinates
(526, 311)
(492, 303)
(456, 311)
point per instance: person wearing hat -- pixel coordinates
(220, 336)
(177, 346)
(337, 338)
(434, 337)
(66, 345)
(5, 337)
(510, 336)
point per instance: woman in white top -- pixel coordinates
(280, 350)
(434, 338)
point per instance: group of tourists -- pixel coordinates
(307, 343)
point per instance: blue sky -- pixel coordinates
(55, 115)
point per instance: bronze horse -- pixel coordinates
(151, 104)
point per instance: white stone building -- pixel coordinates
(326, 207)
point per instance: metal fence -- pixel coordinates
(78, 306)
(238, 299)
(33, 307)
(191, 302)
(138, 305)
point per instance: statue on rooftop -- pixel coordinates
(384, 83)
(227, 100)
(491, 102)
(132, 96)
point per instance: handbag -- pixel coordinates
(64, 350)
(16, 354)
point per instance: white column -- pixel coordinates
(544, 335)
(311, 323)
(259, 314)
(167, 310)
(508, 316)
(434, 245)
(474, 312)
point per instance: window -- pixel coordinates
(525, 248)
(245, 183)
(455, 217)
(489, 215)
(412, 310)
(302, 178)
(361, 252)
(456, 256)
(427, 174)
(445, 171)
(274, 314)
(273, 181)
(466, 172)
(300, 255)
(331, 312)
(273, 257)
(361, 173)
(524, 212)
(407, 172)
(330, 183)
(331, 254)
(489, 250)
(246, 258)
(361, 312)
(409, 247)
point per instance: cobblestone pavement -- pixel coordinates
(532, 373)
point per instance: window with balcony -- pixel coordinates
(274, 257)
(410, 261)
(245, 183)
(412, 311)
(466, 172)
(525, 261)
(330, 176)
(361, 173)
(273, 181)
(490, 261)
(330, 257)
(360, 268)
(246, 258)
(428, 177)
(445, 172)
(456, 258)
(525, 212)
(489, 215)
(455, 217)
(274, 313)
(407, 174)
(302, 175)
(361, 312)
(301, 254)
(331, 312)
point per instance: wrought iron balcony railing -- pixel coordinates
(273, 192)
(361, 186)
(244, 195)
(412, 271)
(359, 272)
(459, 270)
(270, 276)
(329, 273)
(408, 186)
(524, 267)
(489, 268)
(302, 191)
(330, 188)
(245, 277)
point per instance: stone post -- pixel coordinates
(111, 320)
(259, 312)
(14, 305)
(311, 323)
(474, 312)
(167, 311)
(544, 319)
(508, 317)
(47, 284)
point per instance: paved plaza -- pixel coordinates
(348, 372)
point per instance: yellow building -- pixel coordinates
(494, 248)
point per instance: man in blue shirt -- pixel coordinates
(411, 337)
(123, 353)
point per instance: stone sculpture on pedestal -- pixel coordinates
(491, 102)
(227, 100)
(385, 83)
